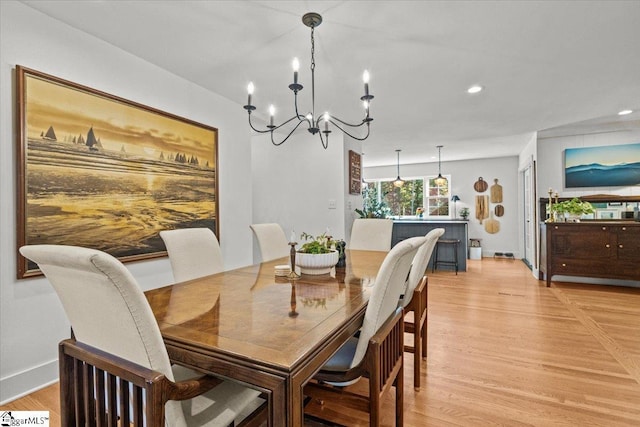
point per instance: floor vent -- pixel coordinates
(510, 295)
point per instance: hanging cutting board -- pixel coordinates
(499, 210)
(492, 225)
(480, 185)
(496, 192)
(482, 208)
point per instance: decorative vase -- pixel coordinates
(314, 264)
(574, 217)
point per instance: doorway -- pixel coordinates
(530, 257)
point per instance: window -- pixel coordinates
(405, 201)
(437, 202)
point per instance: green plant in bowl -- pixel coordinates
(321, 244)
(317, 255)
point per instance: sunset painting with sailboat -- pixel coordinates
(106, 173)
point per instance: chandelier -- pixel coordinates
(313, 122)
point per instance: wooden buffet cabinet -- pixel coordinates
(601, 249)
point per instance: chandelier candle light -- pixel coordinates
(312, 20)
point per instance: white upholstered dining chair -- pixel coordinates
(193, 252)
(117, 347)
(414, 301)
(371, 234)
(377, 352)
(272, 241)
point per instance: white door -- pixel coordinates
(529, 192)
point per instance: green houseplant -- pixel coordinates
(371, 206)
(575, 208)
(464, 213)
(321, 244)
(317, 255)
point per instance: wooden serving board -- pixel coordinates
(482, 208)
(498, 210)
(480, 185)
(492, 225)
(496, 192)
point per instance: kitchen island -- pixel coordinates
(453, 229)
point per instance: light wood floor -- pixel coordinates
(504, 350)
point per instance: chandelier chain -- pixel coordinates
(313, 50)
(313, 82)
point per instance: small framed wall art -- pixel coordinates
(355, 172)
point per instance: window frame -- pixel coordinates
(425, 196)
(446, 197)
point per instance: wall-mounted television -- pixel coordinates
(607, 166)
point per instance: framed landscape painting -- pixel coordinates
(608, 166)
(99, 171)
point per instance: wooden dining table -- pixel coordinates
(270, 333)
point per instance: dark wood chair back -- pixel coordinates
(383, 364)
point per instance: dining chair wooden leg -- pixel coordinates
(423, 332)
(67, 398)
(417, 345)
(424, 314)
(400, 397)
(418, 327)
(417, 355)
(374, 406)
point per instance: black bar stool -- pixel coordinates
(454, 261)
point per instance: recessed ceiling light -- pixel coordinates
(625, 112)
(475, 89)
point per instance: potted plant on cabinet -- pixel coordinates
(574, 208)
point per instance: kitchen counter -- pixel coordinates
(430, 221)
(453, 229)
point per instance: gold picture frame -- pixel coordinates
(99, 171)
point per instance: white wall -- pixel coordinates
(31, 318)
(463, 175)
(297, 184)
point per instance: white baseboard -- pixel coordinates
(18, 385)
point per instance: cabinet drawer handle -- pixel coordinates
(556, 227)
(564, 265)
(624, 228)
(604, 228)
(607, 245)
(620, 246)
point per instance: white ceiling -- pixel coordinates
(543, 64)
